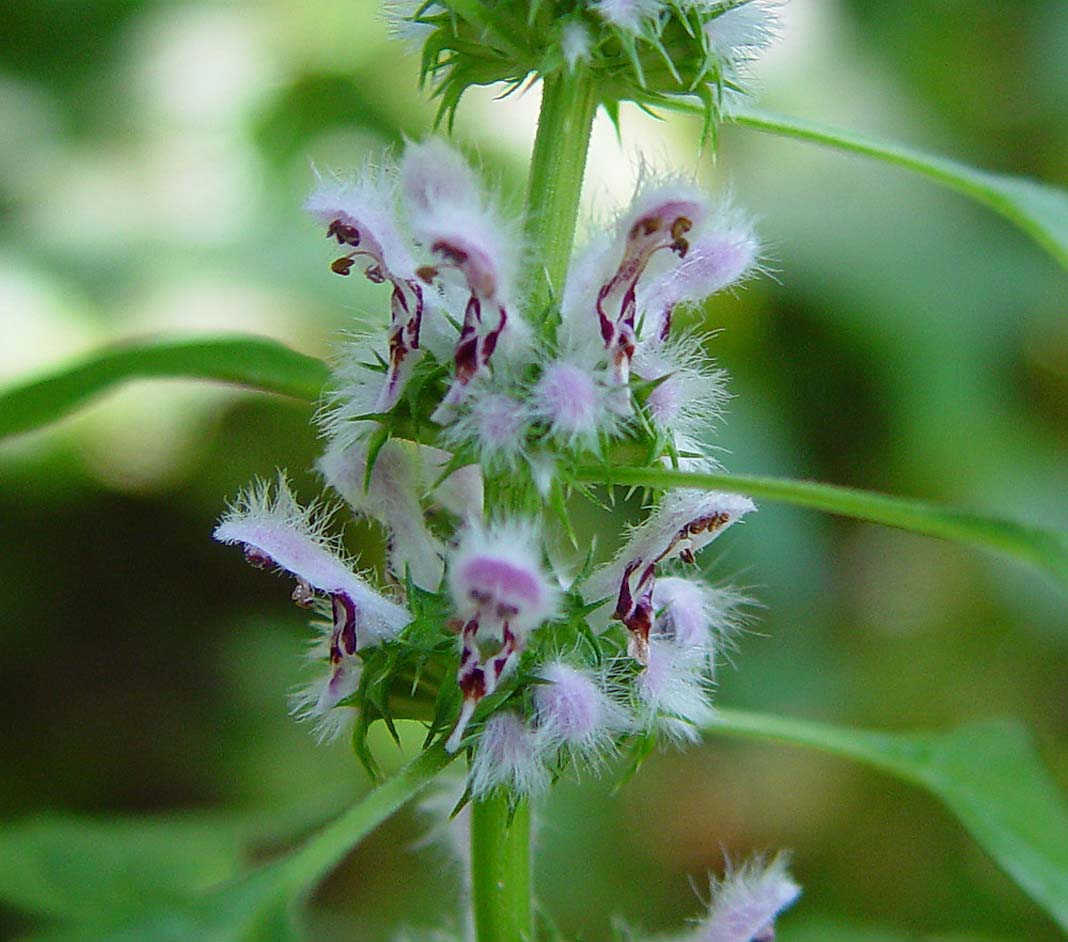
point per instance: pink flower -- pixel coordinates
(276, 531)
(457, 224)
(574, 710)
(746, 901)
(696, 615)
(500, 592)
(726, 253)
(574, 403)
(507, 757)
(660, 219)
(675, 689)
(359, 216)
(685, 522)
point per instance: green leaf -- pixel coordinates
(1038, 209)
(74, 868)
(254, 362)
(989, 775)
(255, 907)
(1046, 549)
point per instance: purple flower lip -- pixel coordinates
(497, 578)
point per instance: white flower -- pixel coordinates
(574, 710)
(675, 689)
(689, 393)
(746, 901)
(496, 575)
(741, 33)
(697, 615)
(276, 531)
(575, 43)
(574, 402)
(401, 20)
(393, 495)
(631, 16)
(507, 757)
(494, 424)
(360, 216)
(685, 522)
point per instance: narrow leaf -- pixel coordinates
(1046, 549)
(256, 906)
(254, 362)
(989, 775)
(1037, 208)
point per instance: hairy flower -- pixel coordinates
(675, 690)
(685, 522)
(723, 255)
(360, 217)
(401, 479)
(576, 43)
(746, 901)
(574, 403)
(465, 233)
(507, 756)
(688, 392)
(631, 16)
(574, 710)
(694, 614)
(494, 425)
(500, 593)
(276, 531)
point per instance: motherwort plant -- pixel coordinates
(467, 423)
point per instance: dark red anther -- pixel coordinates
(343, 265)
(679, 228)
(343, 232)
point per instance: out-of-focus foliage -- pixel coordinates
(152, 164)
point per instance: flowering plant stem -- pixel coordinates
(500, 870)
(557, 167)
(500, 825)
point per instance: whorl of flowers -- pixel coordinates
(647, 51)
(458, 427)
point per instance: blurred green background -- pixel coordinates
(153, 159)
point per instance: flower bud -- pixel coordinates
(507, 757)
(746, 901)
(573, 710)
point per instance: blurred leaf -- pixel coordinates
(837, 932)
(989, 775)
(144, 896)
(255, 362)
(83, 869)
(1039, 209)
(1046, 549)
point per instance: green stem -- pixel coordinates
(500, 870)
(558, 165)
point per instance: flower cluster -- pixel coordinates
(459, 430)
